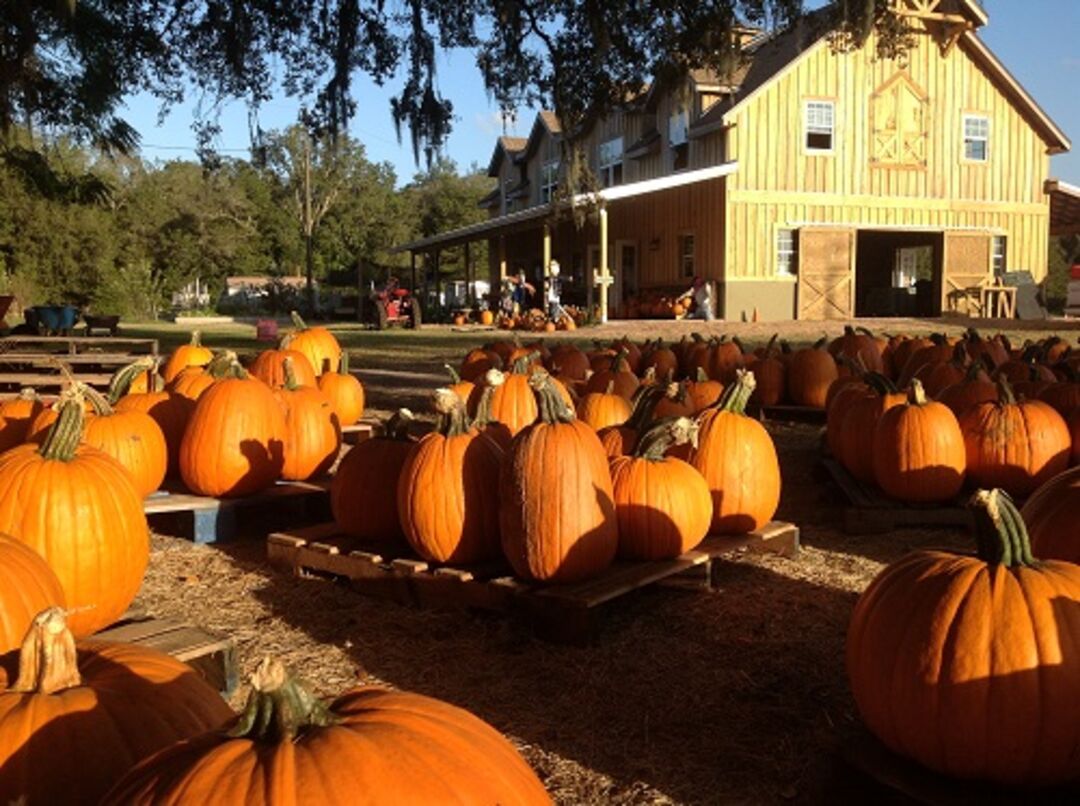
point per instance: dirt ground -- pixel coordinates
(734, 696)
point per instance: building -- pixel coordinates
(812, 183)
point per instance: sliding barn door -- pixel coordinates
(826, 273)
(965, 264)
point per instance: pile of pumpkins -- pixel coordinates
(921, 417)
(653, 305)
(537, 321)
(559, 461)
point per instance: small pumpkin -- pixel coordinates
(269, 367)
(599, 410)
(618, 373)
(856, 417)
(317, 343)
(192, 354)
(810, 372)
(345, 392)
(513, 403)
(16, 415)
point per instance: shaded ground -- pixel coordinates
(689, 697)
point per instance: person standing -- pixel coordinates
(554, 292)
(702, 294)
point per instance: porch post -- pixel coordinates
(605, 277)
(502, 258)
(469, 299)
(438, 278)
(412, 266)
(544, 268)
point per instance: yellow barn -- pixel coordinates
(813, 183)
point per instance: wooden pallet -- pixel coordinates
(869, 511)
(357, 433)
(216, 520)
(564, 613)
(72, 345)
(881, 776)
(212, 655)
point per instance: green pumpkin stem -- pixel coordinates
(665, 434)
(453, 421)
(290, 374)
(522, 363)
(98, 402)
(493, 379)
(279, 707)
(397, 424)
(880, 384)
(1006, 395)
(123, 378)
(66, 433)
(297, 320)
(455, 376)
(646, 399)
(47, 659)
(1000, 534)
(343, 364)
(737, 395)
(553, 408)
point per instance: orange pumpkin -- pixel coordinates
(966, 664)
(487, 318)
(568, 361)
(624, 381)
(16, 415)
(312, 432)
(269, 367)
(770, 375)
(47, 417)
(858, 346)
(317, 343)
(556, 512)
(703, 391)
(662, 359)
(383, 747)
(79, 509)
(1050, 515)
(620, 440)
(919, 451)
(601, 409)
(809, 375)
(737, 458)
(170, 411)
(477, 362)
(663, 505)
(117, 703)
(192, 354)
(345, 392)
(725, 360)
(363, 494)
(975, 388)
(856, 418)
(27, 586)
(132, 438)
(512, 401)
(235, 441)
(193, 381)
(447, 491)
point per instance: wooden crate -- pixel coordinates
(563, 613)
(212, 655)
(33, 361)
(215, 520)
(870, 511)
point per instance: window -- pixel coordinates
(905, 269)
(686, 254)
(819, 126)
(678, 124)
(786, 254)
(976, 138)
(549, 180)
(997, 258)
(900, 122)
(610, 162)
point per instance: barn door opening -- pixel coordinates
(826, 288)
(895, 273)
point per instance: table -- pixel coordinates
(999, 302)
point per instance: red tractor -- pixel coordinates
(396, 306)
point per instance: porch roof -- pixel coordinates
(1064, 207)
(525, 219)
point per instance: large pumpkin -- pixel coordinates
(235, 441)
(556, 510)
(363, 494)
(269, 367)
(447, 492)
(1051, 517)
(16, 415)
(369, 746)
(810, 373)
(27, 586)
(317, 343)
(132, 438)
(345, 392)
(170, 411)
(737, 458)
(919, 451)
(79, 509)
(312, 432)
(602, 409)
(663, 505)
(192, 354)
(81, 715)
(969, 664)
(1014, 446)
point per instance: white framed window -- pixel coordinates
(976, 138)
(678, 126)
(905, 268)
(610, 161)
(819, 119)
(998, 252)
(549, 179)
(786, 253)
(686, 254)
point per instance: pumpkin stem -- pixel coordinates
(670, 431)
(1005, 392)
(452, 422)
(297, 320)
(397, 425)
(66, 433)
(702, 375)
(279, 707)
(455, 376)
(736, 396)
(610, 389)
(880, 384)
(343, 365)
(123, 378)
(649, 376)
(48, 662)
(196, 338)
(820, 343)
(222, 365)
(1000, 534)
(619, 362)
(771, 346)
(290, 374)
(916, 393)
(522, 363)
(553, 408)
(645, 402)
(98, 402)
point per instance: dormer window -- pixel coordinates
(678, 126)
(819, 118)
(610, 161)
(549, 179)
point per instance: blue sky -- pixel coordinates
(1037, 40)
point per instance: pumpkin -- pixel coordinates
(132, 438)
(737, 458)
(468, 391)
(81, 715)
(662, 359)
(602, 409)
(317, 343)
(312, 436)
(975, 388)
(967, 664)
(193, 381)
(568, 361)
(371, 745)
(269, 367)
(861, 346)
(857, 418)
(1063, 397)
(624, 382)
(447, 489)
(633, 353)
(676, 402)
(619, 440)
(27, 586)
(235, 441)
(363, 493)
(810, 372)
(487, 318)
(47, 417)
(725, 359)
(770, 375)
(345, 392)
(703, 391)
(662, 504)
(938, 377)
(477, 362)
(919, 453)
(79, 509)
(170, 411)
(1050, 515)
(939, 350)
(192, 354)
(512, 402)
(556, 512)
(16, 415)
(1014, 446)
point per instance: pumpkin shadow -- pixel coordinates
(264, 462)
(97, 748)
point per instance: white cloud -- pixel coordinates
(491, 123)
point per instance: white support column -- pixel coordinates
(544, 267)
(605, 275)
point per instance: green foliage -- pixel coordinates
(1063, 253)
